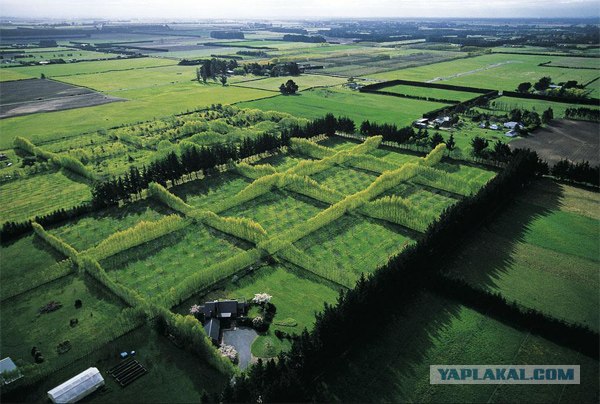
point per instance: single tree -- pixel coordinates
(524, 87)
(290, 87)
(479, 145)
(547, 115)
(450, 143)
(543, 84)
(435, 140)
(224, 80)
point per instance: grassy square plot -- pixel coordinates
(346, 180)
(354, 244)
(283, 162)
(467, 172)
(277, 210)
(208, 192)
(395, 157)
(23, 327)
(155, 267)
(23, 261)
(426, 199)
(88, 231)
(339, 144)
(39, 195)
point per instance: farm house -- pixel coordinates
(77, 387)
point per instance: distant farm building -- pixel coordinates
(494, 127)
(513, 125)
(421, 123)
(9, 371)
(511, 133)
(77, 387)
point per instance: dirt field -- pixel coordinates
(24, 97)
(574, 140)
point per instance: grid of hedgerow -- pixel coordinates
(328, 217)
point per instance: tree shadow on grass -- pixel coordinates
(388, 366)
(486, 254)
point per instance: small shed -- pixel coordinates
(77, 387)
(511, 133)
(9, 371)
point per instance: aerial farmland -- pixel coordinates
(293, 211)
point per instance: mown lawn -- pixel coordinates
(297, 296)
(39, 195)
(394, 366)
(435, 93)
(23, 328)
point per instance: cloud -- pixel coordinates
(262, 9)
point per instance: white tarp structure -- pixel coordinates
(77, 387)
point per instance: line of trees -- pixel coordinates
(172, 167)
(327, 125)
(579, 337)
(57, 243)
(584, 114)
(213, 68)
(11, 230)
(577, 172)
(294, 376)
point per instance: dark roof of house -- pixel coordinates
(212, 328)
(223, 308)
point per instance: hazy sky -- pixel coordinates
(257, 9)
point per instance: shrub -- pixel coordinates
(163, 195)
(309, 148)
(254, 171)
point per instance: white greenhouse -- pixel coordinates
(77, 387)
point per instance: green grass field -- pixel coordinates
(23, 328)
(394, 366)
(40, 194)
(23, 263)
(506, 104)
(358, 106)
(435, 93)
(542, 252)
(60, 70)
(304, 82)
(144, 104)
(494, 71)
(118, 80)
(172, 372)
